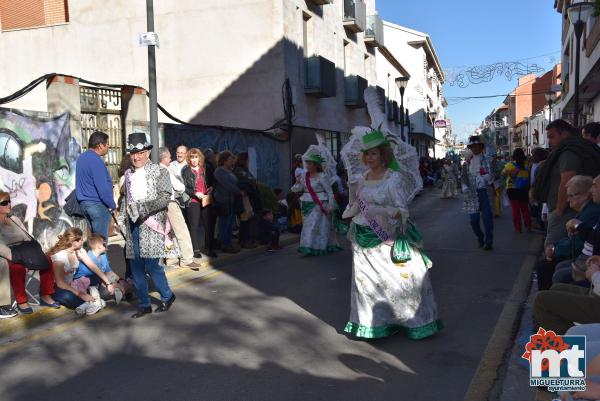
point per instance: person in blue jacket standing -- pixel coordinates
(93, 184)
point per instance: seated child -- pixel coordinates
(97, 252)
(268, 232)
(281, 211)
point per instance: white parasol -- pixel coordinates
(405, 154)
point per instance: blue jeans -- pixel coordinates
(226, 229)
(66, 298)
(98, 215)
(488, 220)
(139, 267)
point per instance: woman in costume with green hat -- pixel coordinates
(391, 290)
(317, 202)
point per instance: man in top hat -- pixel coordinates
(143, 220)
(476, 179)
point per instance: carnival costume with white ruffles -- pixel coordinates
(317, 237)
(391, 290)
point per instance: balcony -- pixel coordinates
(320, 77)
(355, 15)
(322, 2)
(354, 90)
(374, 31)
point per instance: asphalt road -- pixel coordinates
(269, 328)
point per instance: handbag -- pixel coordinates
(71, 206)
(29, 253)
(207, 200)
(248, 213)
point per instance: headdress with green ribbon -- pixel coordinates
(374, 139)
(315, 158)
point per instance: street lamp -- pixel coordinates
(550, 98)
(401, 83)
(578, 14)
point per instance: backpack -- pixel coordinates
(521, 182)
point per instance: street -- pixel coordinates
(270, 328)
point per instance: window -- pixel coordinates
(22, 14)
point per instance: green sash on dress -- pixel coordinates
(365, 237)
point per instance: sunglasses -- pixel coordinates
(5, 202)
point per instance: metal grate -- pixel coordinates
(101, 111)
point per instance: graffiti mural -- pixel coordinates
(268, 160)
(37, 168)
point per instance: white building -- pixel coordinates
(423, 96)
(589, 67)
(225, 63)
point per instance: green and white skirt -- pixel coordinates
(390, 297)
(317, 237)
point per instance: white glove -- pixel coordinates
(199, 195)
(351, 211)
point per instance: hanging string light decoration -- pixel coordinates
(486, 73)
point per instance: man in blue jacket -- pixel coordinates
(93, 184)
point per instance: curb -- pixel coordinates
(489, 370)
(10, 327)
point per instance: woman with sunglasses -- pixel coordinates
(12, 232)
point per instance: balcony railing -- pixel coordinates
(320, 77)
(355, 15)
(354, 89)
(374, 31)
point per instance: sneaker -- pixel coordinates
(7, 311)
(93, 308)
(81, 309)
(194, 266)
(118, 295)
(94, 292)
(172, 262)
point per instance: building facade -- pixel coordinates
(423, 96)
(589, 67)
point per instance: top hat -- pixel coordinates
(474, 140)
(137, 142)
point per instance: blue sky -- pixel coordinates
(476, 32)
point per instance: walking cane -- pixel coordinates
(118, 226)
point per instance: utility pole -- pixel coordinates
(152, 83)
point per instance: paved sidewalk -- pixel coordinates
(18, 325)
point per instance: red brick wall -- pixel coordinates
(18, 14)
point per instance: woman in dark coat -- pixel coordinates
(247, 182)
(194, 178)
(226, 195)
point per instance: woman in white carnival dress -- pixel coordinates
(449, 189)
(317, 203)
(391, 290)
